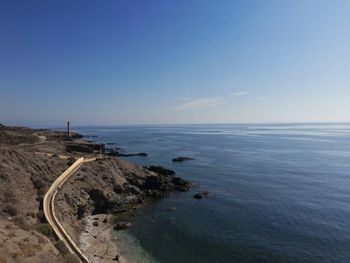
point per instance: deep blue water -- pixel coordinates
(278, 193)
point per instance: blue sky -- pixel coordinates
(184, 61)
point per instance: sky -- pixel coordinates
(184, 61)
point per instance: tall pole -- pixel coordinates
(68, 129)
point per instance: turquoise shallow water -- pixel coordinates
(278, 193)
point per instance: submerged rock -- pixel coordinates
(131, 154)
(181, 184)
(181, 159)
(122, 226)
(115, 152)
(201, 195)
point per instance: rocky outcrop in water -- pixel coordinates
(116, 152)
(160, 170)
(88, 148)
(182, 159)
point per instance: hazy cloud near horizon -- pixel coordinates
(200, 103)
(240, 93)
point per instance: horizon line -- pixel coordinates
(52, 126)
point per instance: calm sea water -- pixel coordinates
(278, 193)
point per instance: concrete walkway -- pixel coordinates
(49, 210)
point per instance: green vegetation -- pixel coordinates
(21, 222)
(70, 258)
(70, 161)
(41, 216)
(9, 197)
(61, 247)
(10, 202)
(46, 230)
(10, 209)
(41, 189)
(67, 256)
(38, 183)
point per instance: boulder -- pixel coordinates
(132, 189)
(160, 170)
(181, 184)
(102, 202)
(156, 193)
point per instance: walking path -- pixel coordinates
(49, 210)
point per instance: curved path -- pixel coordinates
(49, 210)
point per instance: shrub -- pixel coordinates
(11, 210)
(67, 256)
(9, 197)
(70, 161)
(21, 222)
(38, 184)
(46, 230)
(70, 258)
(41, 216)
(61, 247)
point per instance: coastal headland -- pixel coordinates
(99, 196)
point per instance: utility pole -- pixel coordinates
(68, 129)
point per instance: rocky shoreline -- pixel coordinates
(111, 187)
(106, 189)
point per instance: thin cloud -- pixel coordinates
(200, 103)
(184, 98)
(260, 98)
(240, 93)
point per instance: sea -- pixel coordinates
(277, 192)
